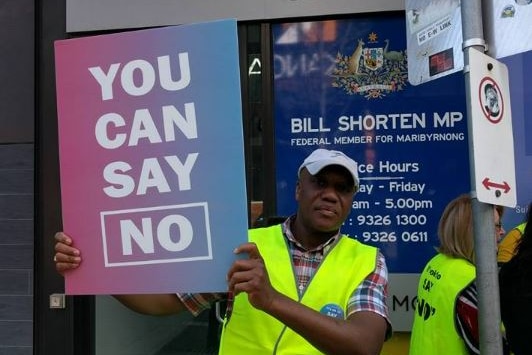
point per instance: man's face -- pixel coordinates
(325, 199)
(491, 98)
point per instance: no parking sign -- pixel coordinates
(492, 130)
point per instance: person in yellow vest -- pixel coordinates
(304, 288)
(446, 314)
(506, 248)
(515, 283)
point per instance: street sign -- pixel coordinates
(434, 39)
(507, 27)
(434, 34)
(493, 145)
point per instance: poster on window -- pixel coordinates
(343, 85)
(151, 158)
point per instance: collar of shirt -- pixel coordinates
(323, 248)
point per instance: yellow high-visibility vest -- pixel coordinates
(434, 330)
(254, 332)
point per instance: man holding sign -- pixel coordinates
(304, 287)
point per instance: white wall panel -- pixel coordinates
(95, 15)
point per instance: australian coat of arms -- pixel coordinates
(371, 70)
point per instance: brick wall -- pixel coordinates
(16, 249)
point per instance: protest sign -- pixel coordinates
(151, 158)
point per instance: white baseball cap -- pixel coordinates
(320, 158)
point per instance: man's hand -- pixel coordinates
(250, 276)
(66, 256)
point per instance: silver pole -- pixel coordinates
(489, 316)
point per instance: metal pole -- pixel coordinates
(487, 281)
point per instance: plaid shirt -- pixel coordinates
(370, 295)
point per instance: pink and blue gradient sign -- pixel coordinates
(151, 158)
